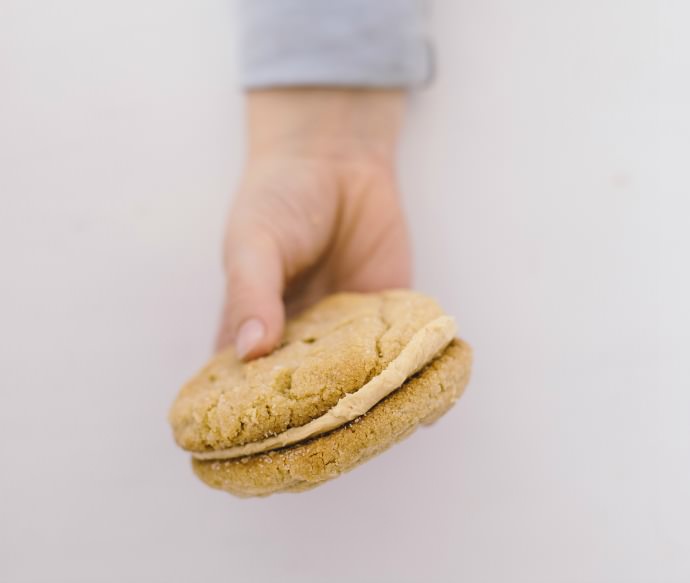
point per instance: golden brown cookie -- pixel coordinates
(421, 400)
(355, 374)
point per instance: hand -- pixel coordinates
(317, 211)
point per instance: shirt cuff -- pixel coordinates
(368, 43)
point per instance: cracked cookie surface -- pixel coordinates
(420, 400)
(328, 351)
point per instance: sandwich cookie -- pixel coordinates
(354, 374)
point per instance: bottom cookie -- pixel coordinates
(420, 400)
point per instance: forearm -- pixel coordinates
(325, 122)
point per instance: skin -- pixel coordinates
(317, 210)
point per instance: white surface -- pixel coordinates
(546, 178)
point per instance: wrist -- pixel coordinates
(343, 123)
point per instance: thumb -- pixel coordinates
(254, 315)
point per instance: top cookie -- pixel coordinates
(330, 350)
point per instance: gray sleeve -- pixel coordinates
(371, 43)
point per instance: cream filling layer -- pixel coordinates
(422, 348)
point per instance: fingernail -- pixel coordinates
(250, 334)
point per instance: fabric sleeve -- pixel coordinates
(372, 43)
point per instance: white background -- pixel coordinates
(545, 175)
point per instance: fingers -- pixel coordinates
(254, 314)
